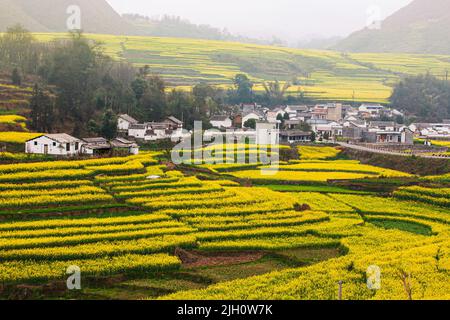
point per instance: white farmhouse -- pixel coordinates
(373, 109)
(267, 133)
(221, 122)
(125, 121)
(60, 144)
(138, 130)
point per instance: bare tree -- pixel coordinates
(405, 277)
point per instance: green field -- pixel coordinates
(326, 75)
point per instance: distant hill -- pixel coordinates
(97, 16)
(421, 27)
(176, 27)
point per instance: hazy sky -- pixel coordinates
(288, 19)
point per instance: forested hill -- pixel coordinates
(421, 27)
(51, 16)
(176, 27)
(97, 16)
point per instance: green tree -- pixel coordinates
(16, 78)
(139, 85)
(423, 96)
(16, 48)
(280, 117)
(108, 128)
(153, 103)
(250, 123)
(42, 110)
(244, 89)
(275, 92)
(74, 70)
(208, 100)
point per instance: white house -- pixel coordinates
(373, 109)
(158, 131)
(125, 121)
(174, 123)
(138, 130)
(60, 144)
(267, 133)
(221, 122)
(295, 136)
(295, 110)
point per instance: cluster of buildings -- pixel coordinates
(170, 128)
(330, 122)
(62, 144)
(432, 131)
(289, 124)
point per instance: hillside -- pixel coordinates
(176, 27)
(420, 27)
(326, 75)
(51, 16)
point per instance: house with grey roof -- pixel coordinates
(124, 122)
(59, 144)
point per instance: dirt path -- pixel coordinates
(195, 259)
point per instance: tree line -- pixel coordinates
(78, 87)
(424, 98)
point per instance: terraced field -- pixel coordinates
(325, 75)
(139, 230)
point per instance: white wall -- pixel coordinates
(158, 135)
(224, 124)
(37, 146)
(137, 133)
(267, 133)
(122, 124)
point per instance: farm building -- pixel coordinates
(170, 128)
(138, 130)
(267, 133)
(295, 136)
(125, 121)
(95, 146)
(60, 144)
(173, 123)
(127, 146)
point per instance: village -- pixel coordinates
(368, 125)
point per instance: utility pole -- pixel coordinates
(446, 75)
(340, 283)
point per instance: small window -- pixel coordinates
(35, 143)
(54, 144)
(68, 147)
(77, 145)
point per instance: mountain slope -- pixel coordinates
(11, 14)
(97, 16)
(421, 27)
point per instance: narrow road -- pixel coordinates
(379, 151)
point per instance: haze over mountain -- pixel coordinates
(421, 27)
(97, 16)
